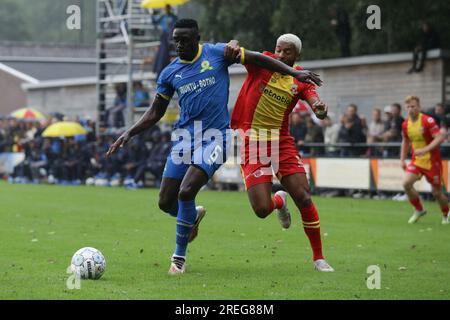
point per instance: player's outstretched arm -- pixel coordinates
(274, 65)
(151, 116)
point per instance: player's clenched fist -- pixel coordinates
(232, 50)
(320, 109)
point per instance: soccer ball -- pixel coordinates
(90, 181)
(88, 263)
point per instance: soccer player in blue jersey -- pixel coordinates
(200, 78)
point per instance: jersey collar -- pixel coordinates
(419, 118)
(199, 53)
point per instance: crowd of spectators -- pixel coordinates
(353, 136)
(81, 159)
(115, 114)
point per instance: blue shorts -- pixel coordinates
(208, 156)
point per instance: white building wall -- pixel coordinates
(368, 85)
(380, 85)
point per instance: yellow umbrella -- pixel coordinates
(63, 129)
(155, 4)
(27, 113)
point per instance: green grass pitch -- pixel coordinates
(236, 255)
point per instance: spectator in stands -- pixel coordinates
(70, 168)
(388, 118)
(439, 115)
(352, 131)
(22, 172)
(331, 133)
(17, 132)
(375, 133)
(141, 97)
(156, 159)
(135, 155)
(166, 23)
(29, 132)
(341, 24)
(47, 150)
(115, 114)
(89, 125)
(112, 166)
(314, 134)
(40, 127)
(298, 128)
(429, 40)
(443, 120)
(8, 138)
(95, 161)
(38, 162)
(393, 130)
(88, 151)
(3, 137)
(59, 155)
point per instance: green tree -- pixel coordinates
(258, 23)
(310, 21)
(247, 21)
(401, 22)
(13, 22)
(44, 21)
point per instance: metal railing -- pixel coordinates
(363, 150)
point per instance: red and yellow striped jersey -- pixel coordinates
(267, 98)
(420, 133)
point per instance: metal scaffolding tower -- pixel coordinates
(126, 40)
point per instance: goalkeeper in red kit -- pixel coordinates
(261, 115)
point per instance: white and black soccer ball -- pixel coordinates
(88, 263)
(90, 181)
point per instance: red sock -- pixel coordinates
(277, 202)
(417, 204)
(444, 210)
(311, 225)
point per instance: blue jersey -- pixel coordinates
(202, 86)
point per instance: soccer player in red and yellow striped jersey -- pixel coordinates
(423, 136)
(261, 115)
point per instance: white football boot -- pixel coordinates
(284, 216)
(416, 216)
(445, 220)
(201, 212)
(322, 266)
(178, 266)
